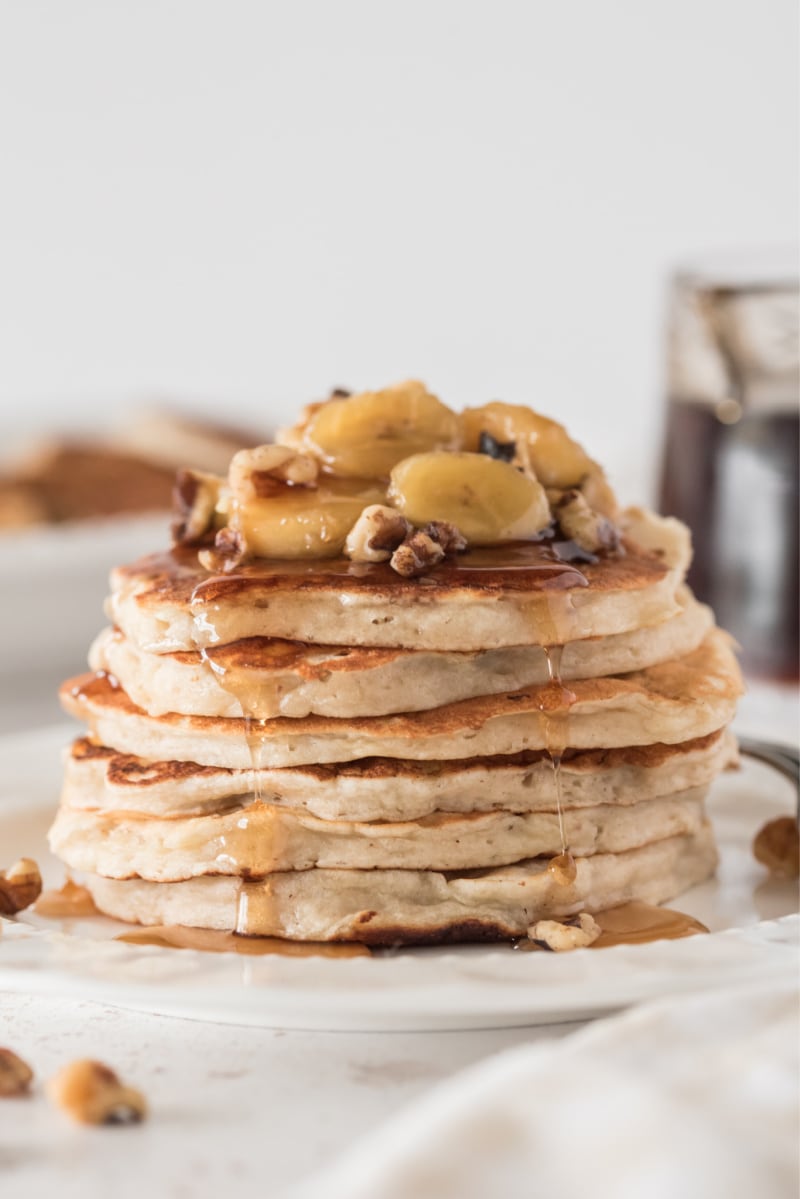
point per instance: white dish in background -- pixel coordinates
(752, 918)
(55, 579)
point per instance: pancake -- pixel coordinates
(675, 701)
(264, 838)
(395, 907)
(289, 678)
(517, 594)
(98, 778)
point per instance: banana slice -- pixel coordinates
(365, 435)
(303, 522)
(488, 500)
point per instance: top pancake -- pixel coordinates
(486, 598)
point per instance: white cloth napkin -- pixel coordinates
(684, 1099)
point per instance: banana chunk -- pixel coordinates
(303, 522)
(542, 446)
(489, 501)
(365, 435)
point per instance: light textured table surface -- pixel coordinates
(231, 1108)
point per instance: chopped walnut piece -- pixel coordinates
(451, 539)
(92, 1093)
(579, 523)
(777, 846)
(573, 932)
(20, 886)
(16, 1076)
(194, 500)
(378, 531)
(425, 548)
(268, 470)
(416, 555)
(229, 552)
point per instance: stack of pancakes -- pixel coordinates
(325, 750)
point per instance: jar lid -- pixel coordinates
(734, 333)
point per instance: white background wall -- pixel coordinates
(238, 203)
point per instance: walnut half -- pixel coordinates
(92, 1093)
(573, 932)
(20, 886)
(777, 846)
(16, 1076)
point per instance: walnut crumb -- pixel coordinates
(92, 1093)
(572, 932)
(20, 886)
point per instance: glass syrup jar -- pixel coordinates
(730, 463)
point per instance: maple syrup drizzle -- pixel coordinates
(259, 690)
(554, 703)
(70, 900)
(637, 923)
(552, 565)
(251, 702)
(209, 940)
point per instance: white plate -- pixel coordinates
(753, 921)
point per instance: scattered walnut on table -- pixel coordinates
(20, 886)
(572, 932)
(16, 1075)
(92, 1093)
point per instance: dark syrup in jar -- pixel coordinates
(735, 484)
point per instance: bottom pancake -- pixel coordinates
(411, 907)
